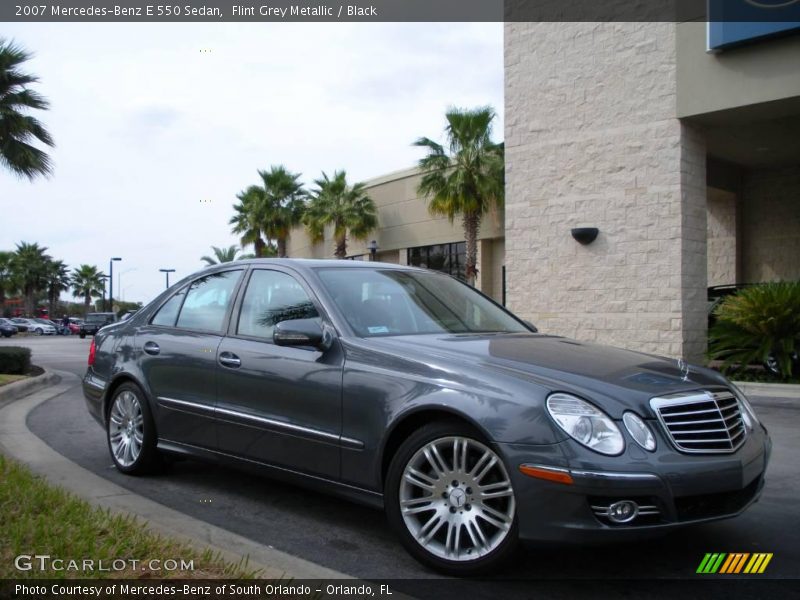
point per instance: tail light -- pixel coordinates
(92, 351)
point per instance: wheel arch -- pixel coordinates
(405, 424)
(117, 381)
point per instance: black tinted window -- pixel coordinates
(168, 313)
(207, 301)
(272, 297)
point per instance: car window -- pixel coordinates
(207, 301)
(168, 313)
(378, 302)
(272, 297)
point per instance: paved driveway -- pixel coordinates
(357, 541)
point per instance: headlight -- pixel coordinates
(748, 414)
(639, 431)
(585, 423)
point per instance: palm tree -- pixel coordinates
(57, 280)
(6, 274)
(348, 208)
(221, 255)
(87, 282)
(18, 129)
(467, 178)
(284, 204)
(29, 265)
(248, 221)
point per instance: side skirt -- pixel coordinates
(320, 484)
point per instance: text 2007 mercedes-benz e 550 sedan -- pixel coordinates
(408, 389)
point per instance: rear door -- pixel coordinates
(178, 349)
(278, 405)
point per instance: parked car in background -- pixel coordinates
(75, 325)
(409, 390)
(7, 328)
(94, 321)
(60, 329)
(127, 315)
(37, 326)
(20, 323)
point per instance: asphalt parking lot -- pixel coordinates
(357, 541)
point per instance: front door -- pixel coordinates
(278, 405)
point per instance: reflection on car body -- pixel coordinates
(409, 390)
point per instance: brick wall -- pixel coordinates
(592, 140)
(722, 247)
(771, 225)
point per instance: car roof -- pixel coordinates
(309, 264)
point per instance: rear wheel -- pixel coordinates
(82, 334)
(131, 432)
(450, 499)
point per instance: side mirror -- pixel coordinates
(299, 332)
(531, 326)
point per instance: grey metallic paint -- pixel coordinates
(330, 415)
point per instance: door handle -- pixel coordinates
(230, 360)
(151, 348)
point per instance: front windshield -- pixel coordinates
(381, 302)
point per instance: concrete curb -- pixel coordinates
(19, 443)
(771, 390)
(18, 389)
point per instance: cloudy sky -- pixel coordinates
(155, 137)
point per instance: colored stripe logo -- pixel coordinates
(734, 563)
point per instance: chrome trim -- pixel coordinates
(616, 476)
(95, 384)
(723, 399)
(270, 423)
(164, 401)
(644, 510)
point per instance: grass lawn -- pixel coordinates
(37, 518)
(4, 379)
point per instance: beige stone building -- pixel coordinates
(686, 161)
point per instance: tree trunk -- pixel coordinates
(472, 223)
(259, 245)
(340, 246)
(281, 247)
(29, 302)
(87, 299)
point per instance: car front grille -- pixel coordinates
(701, 422)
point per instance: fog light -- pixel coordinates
(623, 511)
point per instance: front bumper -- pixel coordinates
(678, 489)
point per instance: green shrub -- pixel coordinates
(15, 360)
(757, 322)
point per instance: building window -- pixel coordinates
(447, 258)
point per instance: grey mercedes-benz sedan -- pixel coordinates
(407, 389)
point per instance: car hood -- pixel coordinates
(616, 379)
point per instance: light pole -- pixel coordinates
(167, 272)
(103, 305)
(111, 283)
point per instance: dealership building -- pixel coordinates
(679, 143)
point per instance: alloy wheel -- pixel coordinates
(456, 499)
(126, 428)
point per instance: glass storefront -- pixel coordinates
(447, 258)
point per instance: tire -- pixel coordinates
(39, 331)
(131, 432)
(436, 520)
(82, 335)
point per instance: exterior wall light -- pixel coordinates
(585, 235)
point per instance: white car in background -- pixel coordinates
(37, 326)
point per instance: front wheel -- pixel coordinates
(39, 331)
(450, 499)
(82, 335)
(131, 432)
